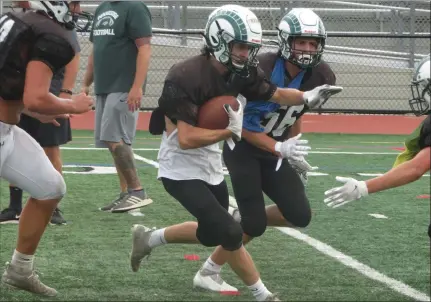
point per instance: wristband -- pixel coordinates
(277, 147)
(66, 91)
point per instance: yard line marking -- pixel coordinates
(146, 160)
(378, 216)
(311, 152)
(365, 270)
(104, 149)
(329, 251)
(379, 174)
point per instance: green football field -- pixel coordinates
(346, 254)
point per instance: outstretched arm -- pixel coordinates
(401, 175)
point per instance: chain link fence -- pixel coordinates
(372, 46)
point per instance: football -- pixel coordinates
(212, 114)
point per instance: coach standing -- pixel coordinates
(118, 63)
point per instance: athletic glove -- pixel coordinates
(302, 167)
(319, 95)
(351, 190)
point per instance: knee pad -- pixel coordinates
(254, 226)
(228, 234)
(54, 187)
(206, 236)
(231, 236)
(300, 219)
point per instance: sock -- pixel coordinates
(211, 266)
(22, 261)
(140, 193)
(259, 291)
(157, 238)
(15, 201)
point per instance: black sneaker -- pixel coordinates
(9, 216)
(57, 218)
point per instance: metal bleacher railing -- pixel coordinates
(372, 47)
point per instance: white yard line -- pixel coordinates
(311, 152)
(324, 248)
(365, 270)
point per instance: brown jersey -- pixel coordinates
(194, 81)
(277, 123)
(30, 36)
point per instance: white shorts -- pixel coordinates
(24, 164)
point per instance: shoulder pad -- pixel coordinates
(13, 33)
(53, 50)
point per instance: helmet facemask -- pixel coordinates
(420, 103)
(302, 59)
(225, 47)
(60, 12)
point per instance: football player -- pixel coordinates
(33, 46)
(411, 164)
(253, 164)
(190, 158)
(50, 136)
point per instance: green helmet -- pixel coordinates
(420, 86)
(231, 24)
(301, 22)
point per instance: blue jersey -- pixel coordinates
(269, 117)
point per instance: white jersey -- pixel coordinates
(177, 164)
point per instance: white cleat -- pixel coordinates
(211, 281)
(14, 278)
(140, 247)
(234, 212)
(272, 297)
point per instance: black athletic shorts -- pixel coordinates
(47, 135)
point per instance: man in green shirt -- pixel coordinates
(118, 64)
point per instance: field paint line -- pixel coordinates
(365, 270)
(326, 249)
(311, 152)
(378, 216)
(380, 174)
(353, 153)
(146, 160)
(104, 149)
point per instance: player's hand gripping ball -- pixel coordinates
(213, 116)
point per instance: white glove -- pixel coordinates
(235, 120)
(319, 95)
(294, 148)
(302, 167)
(351, 190)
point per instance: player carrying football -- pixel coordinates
(33, 46)
(190, 158)
(253, 163)
(411, 164)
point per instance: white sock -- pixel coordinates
(259, 290)
(212, 266)
(22, 261)
(157, 238)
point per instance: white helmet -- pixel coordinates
(301, 22)
(58, 11)
(230, 24)
(420, 86)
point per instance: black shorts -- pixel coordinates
(47, 135)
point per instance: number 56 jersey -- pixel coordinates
(276, 120)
